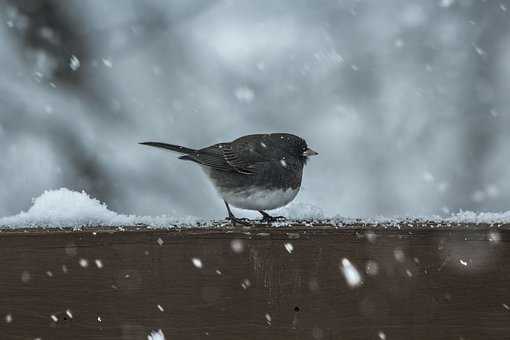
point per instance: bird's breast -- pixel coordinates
(259, 199)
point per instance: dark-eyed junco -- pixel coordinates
(254, 172)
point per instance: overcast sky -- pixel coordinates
(406, 101)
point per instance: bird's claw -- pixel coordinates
(241, 221)
(270, 219)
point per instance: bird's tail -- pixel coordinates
(171, 147)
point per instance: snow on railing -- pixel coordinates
(65, 208)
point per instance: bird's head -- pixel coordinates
(297, 147)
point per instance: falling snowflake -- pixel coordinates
(237, 246)
(399, 255)
(74, 63)
(246, 284)
(268, 318)
(107, 63)
(197, 262)
(289, 247)
(479, 50)
(446, 3)
(244, 94)
(494, 237)
(372, 268)
(84, 263)
(156, 335)
(351, 274)
(25, 276)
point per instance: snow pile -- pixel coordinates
(477, 218)
(66, 208)
(300, 211)
(463, 217)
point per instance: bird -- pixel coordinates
(253, 172)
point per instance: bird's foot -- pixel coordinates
(269, 219)
(242, 221)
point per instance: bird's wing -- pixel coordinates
(228, 157)
(235, 159)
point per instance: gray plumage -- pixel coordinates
(253, 167)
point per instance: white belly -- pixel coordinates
(252, 199)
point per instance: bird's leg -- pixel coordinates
(234, 219)
(268, 218)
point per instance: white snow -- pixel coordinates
(301, 211)
(237, 246)
(197, 262)
(74, 63)
(351, 274)
(25, 276)
(371, 268)
(399, 255)
(156, 335)
(66, 208)
(446, 3)
(289, 247)
(246, 284)
(244, 94)
(494, 237)
(107, 63)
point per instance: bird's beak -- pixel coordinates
(309, 152)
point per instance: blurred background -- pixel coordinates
(407, 101)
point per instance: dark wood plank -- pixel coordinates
(445, 283)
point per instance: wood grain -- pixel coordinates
(429, 284)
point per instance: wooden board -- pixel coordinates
(256, 283)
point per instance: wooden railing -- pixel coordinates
(358, 281)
